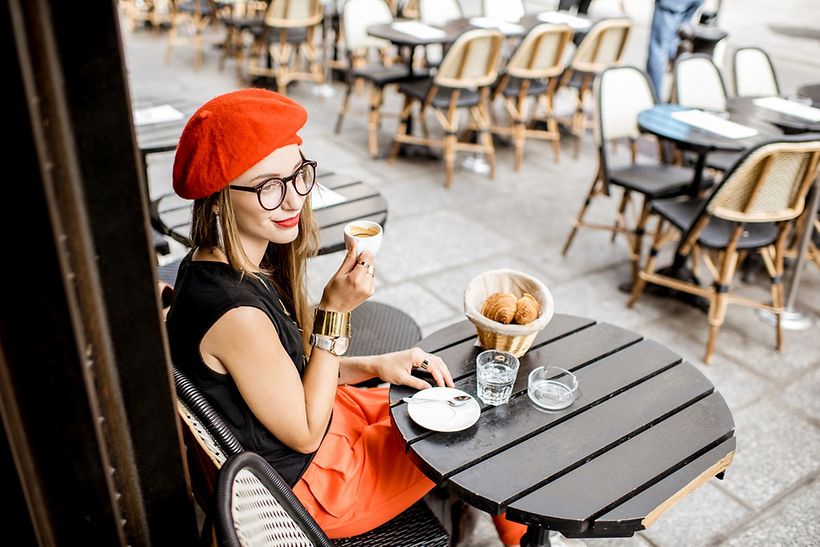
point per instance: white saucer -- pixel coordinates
(441, 416)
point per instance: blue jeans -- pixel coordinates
(663, 38)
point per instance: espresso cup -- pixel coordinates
(364, 235)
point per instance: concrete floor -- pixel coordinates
(436, 240)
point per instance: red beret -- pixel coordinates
(230, 134)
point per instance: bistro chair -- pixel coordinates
(621, 93)
(698, 83)
(753, 73)
(504, 10)
(752, 210)
(192, 17)
(288, 42)
(462, 81)
(438, 12)
(532, 72)
(242, 20)
(602, 47)
(356, 17)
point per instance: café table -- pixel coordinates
(647, 429)
(158, 123)
(810, 91)
(749, 107)
(348, 199)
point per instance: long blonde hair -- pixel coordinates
(284, 265)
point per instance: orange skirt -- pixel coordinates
(361, 477)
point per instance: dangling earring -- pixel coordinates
(220, 239)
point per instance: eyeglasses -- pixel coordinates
(271, 191)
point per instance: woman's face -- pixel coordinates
(253, 222)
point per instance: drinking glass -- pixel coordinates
(495, 375)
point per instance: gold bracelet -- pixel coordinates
(331, 323)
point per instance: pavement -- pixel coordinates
(436, 240)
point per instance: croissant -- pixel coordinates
(526, 309)
(499, 307)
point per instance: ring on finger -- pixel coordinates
(365, 264)
(424, 364)
(371, 269)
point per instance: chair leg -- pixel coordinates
(402, 130)
(637, 242)
(580, 218)
(345, 106)
(720, 297)
(619, 217)
(639, 283)
(484, 128)
(777, 284)
(449, 158)
(376, 96)
(519, 138)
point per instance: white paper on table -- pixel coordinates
(792, 108)
(714, 124)
(558, 18)
(156, 114)
(419, 30)
(322, 196)
(503, 26)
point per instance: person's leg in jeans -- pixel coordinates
(663, 38)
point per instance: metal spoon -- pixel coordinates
(458, 400)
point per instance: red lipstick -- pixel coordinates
(288, 222)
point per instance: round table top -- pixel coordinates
(810, 91)
(659, 121)
(746, 106)
(646, 429)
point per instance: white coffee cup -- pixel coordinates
(364, 235)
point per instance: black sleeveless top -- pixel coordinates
(204, 292)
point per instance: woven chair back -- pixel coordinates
(698, 83)
(505, 10)
(360, 14)
(603, 46)
(540, 54)
(769, 184)
(256, 508)
(294, 13)
(753, 73)
(621, 93)
(439, 12)
(472, 61)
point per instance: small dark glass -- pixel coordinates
(271, 191)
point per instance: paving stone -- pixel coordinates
(776, 450)
(794, 523)
(416, 301)
(804, 394)
(698, 519)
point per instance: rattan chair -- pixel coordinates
(602, 47)
(192, 16)
(752, 210)
(356, 17)
(621, 93)
(288, 40)
(753, 73)
(532, 73)
(462, 81)
(698, 83)
(439, 12)
(504, 10)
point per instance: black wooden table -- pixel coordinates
(161, 136)
(746, 107)
(171, 215)
(647, 429)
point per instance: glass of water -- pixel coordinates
(495, 375)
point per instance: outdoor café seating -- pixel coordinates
(752, 210)
(753, 73)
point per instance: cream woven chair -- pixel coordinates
(192, 17)
(602, 47)
(289, 38)
(439, 12)
(752, 210)
(462, 81)
(698, 83)
(504, 10)
(532, 72)
(621, 93)
(753, 73)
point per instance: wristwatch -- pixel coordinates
(337, 345)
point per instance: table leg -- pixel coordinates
(536, 536)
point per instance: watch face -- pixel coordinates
(340, 345)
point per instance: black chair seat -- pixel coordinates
(294, 35)
(190, 7)
(244, 23)
(577, 79)
(722, 161)
(415, 527)
(382, 75)
(419, 89)
(513, 87)
(655, 181)
(717, 233)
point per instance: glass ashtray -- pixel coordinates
(552, 388)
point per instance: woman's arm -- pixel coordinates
(395, 368)
(245, 344)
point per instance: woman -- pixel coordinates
(241, 328)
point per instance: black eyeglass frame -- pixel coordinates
(283, 180)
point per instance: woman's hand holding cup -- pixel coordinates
(364, 235)
(353, 283)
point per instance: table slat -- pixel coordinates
(574, 499)
(593, 429)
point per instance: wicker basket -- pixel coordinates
(515, 339)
